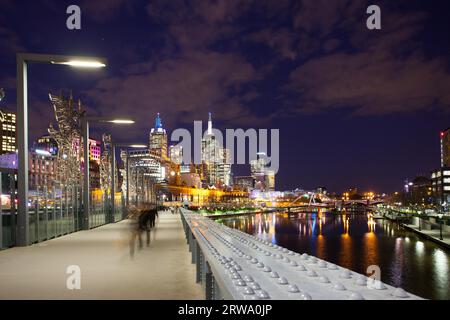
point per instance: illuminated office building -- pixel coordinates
(224, 168)
(42, 166)
(47, 143)
(440, 183)
(445, 148)
(95, 150)
(216, 160)
(8, 141)
(440, 178)
(176, 154)
(263, 177)
(245, 183)
(158, 140)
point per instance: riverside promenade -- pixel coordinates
(433, 234)
(161, 271)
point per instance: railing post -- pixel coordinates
(209, 283)
(198, 260)
(36, 212)
(1, 213)
(46, 212)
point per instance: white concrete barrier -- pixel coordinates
(236, 265)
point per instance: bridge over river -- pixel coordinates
(223, 263)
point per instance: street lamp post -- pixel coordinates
(22, 60)
(127, 170)
(440, 226)
(113, 162)
(85, 131)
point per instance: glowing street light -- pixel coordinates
(81, 63)
(120, 121)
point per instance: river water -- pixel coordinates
(356, 241)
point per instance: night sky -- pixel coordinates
(355, 107)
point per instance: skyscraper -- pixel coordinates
(176, 154)
(264, 178)
(445, 148)
(158, 140)
(216, 159)
(8, 142)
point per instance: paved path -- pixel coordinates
(433, 234)
(161, 271)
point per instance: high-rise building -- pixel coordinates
(445, 148)
(224, 168)
(263, 176)
(8, 141)
(158, 140)
(246, 183)
(94, 150)
(440, 184)
(440, 178)
(176, 154)
(42, 165)
(47, 143)
(216, 160)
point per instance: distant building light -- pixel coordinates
(43, 152)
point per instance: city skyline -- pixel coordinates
(371, 137)
(228, 150)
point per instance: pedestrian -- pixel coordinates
(133, 224)
(145, 224)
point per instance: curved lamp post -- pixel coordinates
(440, 226)
(86, 187)
(22, 60)
(113, 173)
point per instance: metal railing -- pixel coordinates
(234, 265)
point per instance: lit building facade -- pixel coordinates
(42, 165)
(246, 183)
(158, 140)
(215, 159)
(440, 178)
(176, 154)
(95, 150)
(47, 143)
(440, 183)
(263, 177)
(8, 142)
(445, 148)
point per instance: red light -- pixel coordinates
(442, 134)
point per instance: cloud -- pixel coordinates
(371, 84)
(10, 42)
(102, 11)
(281, 40)
(183, 89)
(380, 72)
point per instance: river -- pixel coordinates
(356, 241)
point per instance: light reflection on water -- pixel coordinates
(356, 242)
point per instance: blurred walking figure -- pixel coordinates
(145, 223)
(141, 219)
(133, 221)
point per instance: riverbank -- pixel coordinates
(432, 234)
(236, 214)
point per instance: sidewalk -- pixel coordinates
(161, 271)
(433, 235)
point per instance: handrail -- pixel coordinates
(234, 265)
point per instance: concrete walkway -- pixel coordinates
(433, 234)
(161, 271)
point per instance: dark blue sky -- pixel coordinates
(354, 107)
